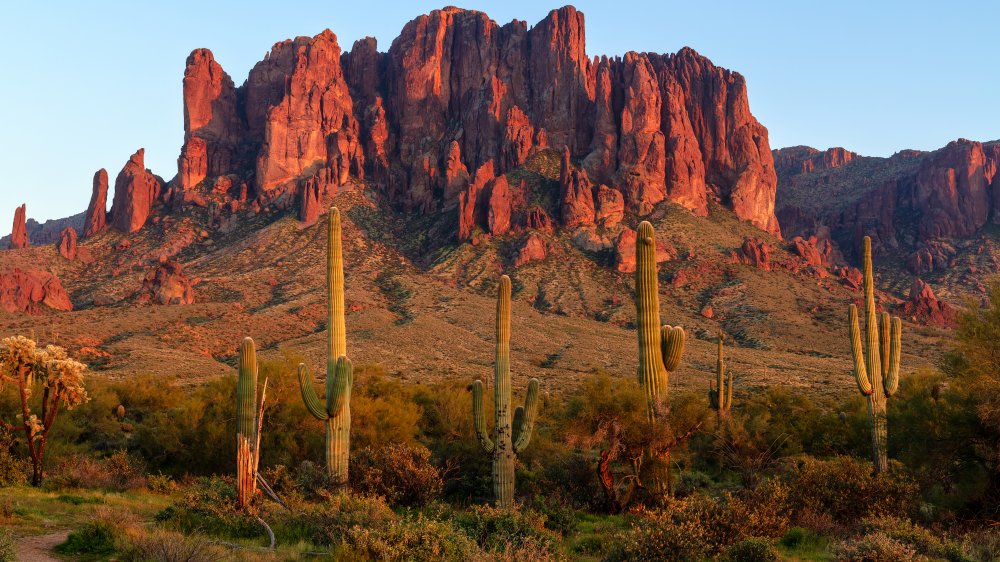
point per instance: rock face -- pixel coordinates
(813, 252)
(923, 306)
(909, 202)
(27, 291)
(212, 125)
(136, 190)
(96, 220)
(754, 252)
(67, 243)
(166, 284)
(454, 92)
(19, 234)
(533, 249)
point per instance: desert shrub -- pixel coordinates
(160, 483)
(698, 526)
(162, 545)
(331, 520)
(8, 548)
(105, 532)
(558, 516)
(753, 549)
(982, 545)
(402, 474)
(419, 538)
(922, 540)
(208, 506)
(798, 537)
(120, 472)
(504, 530)
(875, 547)
(691, 482)
(847, 490)
(382, 410)
(13, 469)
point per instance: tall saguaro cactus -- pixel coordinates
(720, 396)
(336, 412)
(512, 430)
(877, 372)
(248, 422)
(660, 348)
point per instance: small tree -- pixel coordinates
(25, 366)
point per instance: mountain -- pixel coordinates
(466, 150)
(931, 215)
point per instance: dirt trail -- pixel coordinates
(39, 548)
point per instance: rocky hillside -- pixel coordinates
(465, 150)
(930, 214)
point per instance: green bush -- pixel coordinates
(753, 549)
(875, 547)
(846, 489)
(402, 474)
(8, 548)
(504, 530)
(105, 533)
(13, 469)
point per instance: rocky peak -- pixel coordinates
(19, 234)
(136, 191)
(96, 220)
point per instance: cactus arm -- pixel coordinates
(479, 417)
(729, 392)
(312, 402)
(522, 435)
(874, 357)
(892, 376)
(339, 386)
(671, 347)
(860, 371)
(518, 423)
(884, 343)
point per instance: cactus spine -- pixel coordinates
(248, 420)
(876, 373)
(720, 396)
(512, 430)
(336, 412)
(660, 348)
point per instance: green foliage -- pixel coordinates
(846, 489)
(402, 474)
(104, 533)
(8, 548)
(753, 549)
(875, 547)
(496, 529)
(13, 470)
(698, 526)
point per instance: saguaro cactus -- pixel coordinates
(512, 430)
(720, 396)
(248, 421)
(336, 412)
(876, 373)
(660, 348)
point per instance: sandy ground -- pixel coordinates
(39, 548)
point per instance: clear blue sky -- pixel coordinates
(87, 83)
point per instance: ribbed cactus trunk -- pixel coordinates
(513, 428)
(652, 374)
(246, 425)
(877, 372)
(336, 413)
(660, 347)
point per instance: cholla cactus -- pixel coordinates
(876, 373)
(512, 430)
(336, 413)
(24, 365)
(720, 396)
